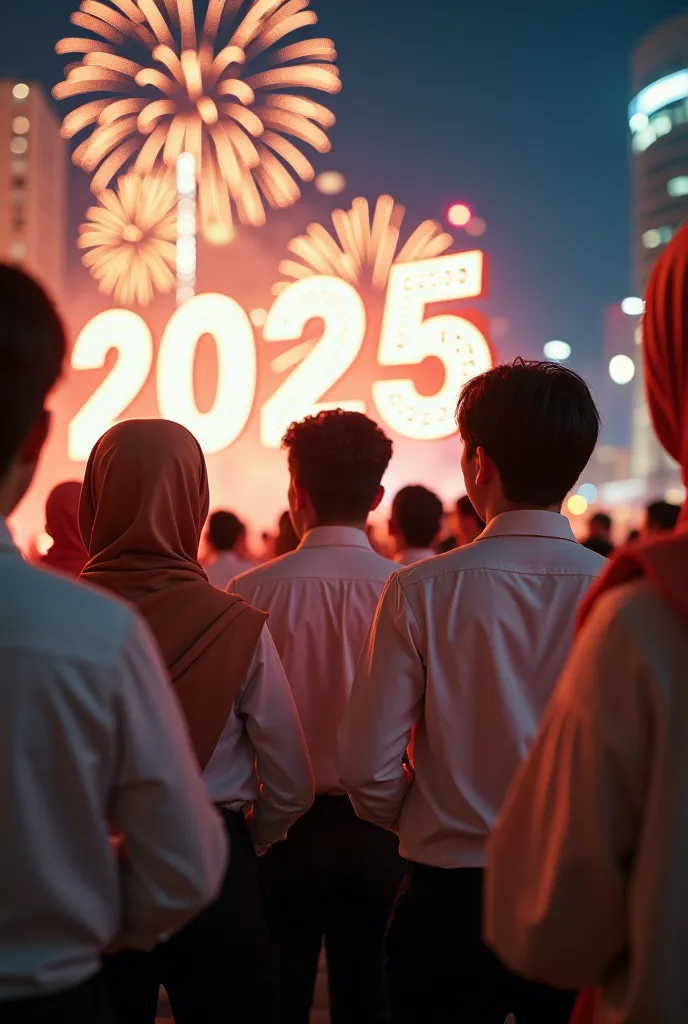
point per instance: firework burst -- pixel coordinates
(216, 91)
(131, 237)
(363, 250)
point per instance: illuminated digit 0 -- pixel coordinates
(231, 328)
(129, 334)
(340, 306)
(407, 340)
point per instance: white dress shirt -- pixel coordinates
(261, 762)
(464, 654)
(90, 734)
(226, 566)
(587, 882)
(320, 601)
(409, 556)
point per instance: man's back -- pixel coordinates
(76, 732)
(494, 622)
(321, 600)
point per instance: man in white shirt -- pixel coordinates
(91, 738)
(462, 658)
(415, 524)
(334, 876)
(226, 539)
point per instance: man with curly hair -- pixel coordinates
(335, 877)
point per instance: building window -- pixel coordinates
(20, 125)
(17, 251)
(19, 145)
(658, 126)
(678, 186)
(655, 237)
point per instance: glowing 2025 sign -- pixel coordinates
(406, 339)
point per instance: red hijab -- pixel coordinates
(67, 553)
(143, 506)
(662, 562)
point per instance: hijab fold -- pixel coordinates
(144, 502)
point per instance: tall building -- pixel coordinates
(33, 184)
(658, 122)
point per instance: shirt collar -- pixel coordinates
(335, 536)
(410, 555)
(529, 523)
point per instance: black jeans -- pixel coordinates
(334, 877)
(223, 966)
(84, 1004)
(439, 970)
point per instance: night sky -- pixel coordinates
(517, 109)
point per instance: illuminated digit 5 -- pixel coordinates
(231, 328)
(129, 334)
(340, 306)
(407, 340)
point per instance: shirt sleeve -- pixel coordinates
(175, 843)
(560, 856)
(385, 704)
(273, 725)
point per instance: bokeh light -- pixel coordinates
(621, 369)
(557, 351)
(20, 125)
(577, 505)
(258, 317)
(589, 492)
(476, 227)
(459, 215)
(20, 91)
(633, 306)
(219, 233)
(330, 183)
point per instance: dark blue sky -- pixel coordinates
(519, 110)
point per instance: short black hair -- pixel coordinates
(340, 458)
(663, 514)
(538, 423)
(465, 507)
(32, 350)
(418, 514)
(225, 530)
(602, 520)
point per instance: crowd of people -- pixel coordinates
(462, 768)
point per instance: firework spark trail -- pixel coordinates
(361, 251)
(188, 92)
(131, 237)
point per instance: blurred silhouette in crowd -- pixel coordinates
(660, 517)
(599, 537)
(286, 539)
(415, 524)
(469, 526)
(226, 544)
(67, 552)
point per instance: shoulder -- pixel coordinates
(48, 613)
(637, 609)
(276, 569)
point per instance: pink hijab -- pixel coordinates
(67, 553)
(662, 562)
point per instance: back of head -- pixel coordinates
(600, 525)
(225, 530)
(32, 350)
(662, 516)
(417, 516)
(145, 497)
(339, 458)
(538, 423)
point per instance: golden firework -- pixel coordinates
(363, 250)
(190, 90)
(131, 237)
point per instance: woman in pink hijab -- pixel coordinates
(67, 553)
(588, 867)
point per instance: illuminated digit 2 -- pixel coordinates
(231, 328)
(129, 334)
(341, 308)
(407, 340)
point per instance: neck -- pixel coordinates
(497, 506)
(358, 524)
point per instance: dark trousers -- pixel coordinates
(223, 966)
(81, 1005)
(335, 877)
(438, 969)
